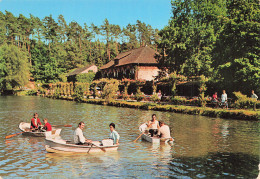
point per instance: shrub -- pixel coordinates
(31, 93)
(242, 101)
(110, 90)
(85, 77)
(139, 95)
(154, 97)
(177, 100)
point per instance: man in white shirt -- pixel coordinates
(79, 139)
(164, 131)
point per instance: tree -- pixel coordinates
(14, 67)
(186, 43)
(237, 50)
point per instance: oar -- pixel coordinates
(138, 137)
(9, 136)
(66, 125)
(98, 147)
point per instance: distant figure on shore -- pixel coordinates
(215, 99)
(114, 134)
(79, 139)
(153, 126)
(159, 94)
(47, 126)
(254, 96)
(35, 122)
(224, 100)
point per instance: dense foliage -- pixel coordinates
(53, 47)
(217, 39)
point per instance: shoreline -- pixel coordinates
(191, 110)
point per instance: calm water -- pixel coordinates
(203, 148)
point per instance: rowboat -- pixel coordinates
(25, 128)
(155, 139)
(58, 145)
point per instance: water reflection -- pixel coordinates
(215, 165)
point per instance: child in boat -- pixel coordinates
(114, 135)
(47, 126)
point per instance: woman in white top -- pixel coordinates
(153, 125)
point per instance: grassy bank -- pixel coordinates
(211, 112)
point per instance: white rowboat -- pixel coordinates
(155, 139)
(25, 128)
(58, 145)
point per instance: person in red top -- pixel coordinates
(215, 99)
(35, 122)
(47, 125)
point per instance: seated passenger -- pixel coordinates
(164, 131)
(153, 125)
(47, 126)
(35, 122)
(79, 139)
(114, 135)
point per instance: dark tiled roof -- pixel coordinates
(142, 55)
(79, 70)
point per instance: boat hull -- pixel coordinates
(156, 140)
(60, 146)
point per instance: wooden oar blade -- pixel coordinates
(9, 136)
(138, 137)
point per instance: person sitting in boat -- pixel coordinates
(47, 126)
(114, 134)
(35, 122)
(79, 139)
(153, 126)
(164, 131)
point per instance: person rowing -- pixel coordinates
(35, 122)
(153, 126)
(79, 138)
(164, 131)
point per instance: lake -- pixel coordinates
(204, 147)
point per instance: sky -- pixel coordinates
(120, 12)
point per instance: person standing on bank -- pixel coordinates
(79, 139)
(254, 96)
(153, 126)
(114, 134)
(35, 122)
(224, 100)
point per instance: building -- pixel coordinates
(136, 64)
(89, 68)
